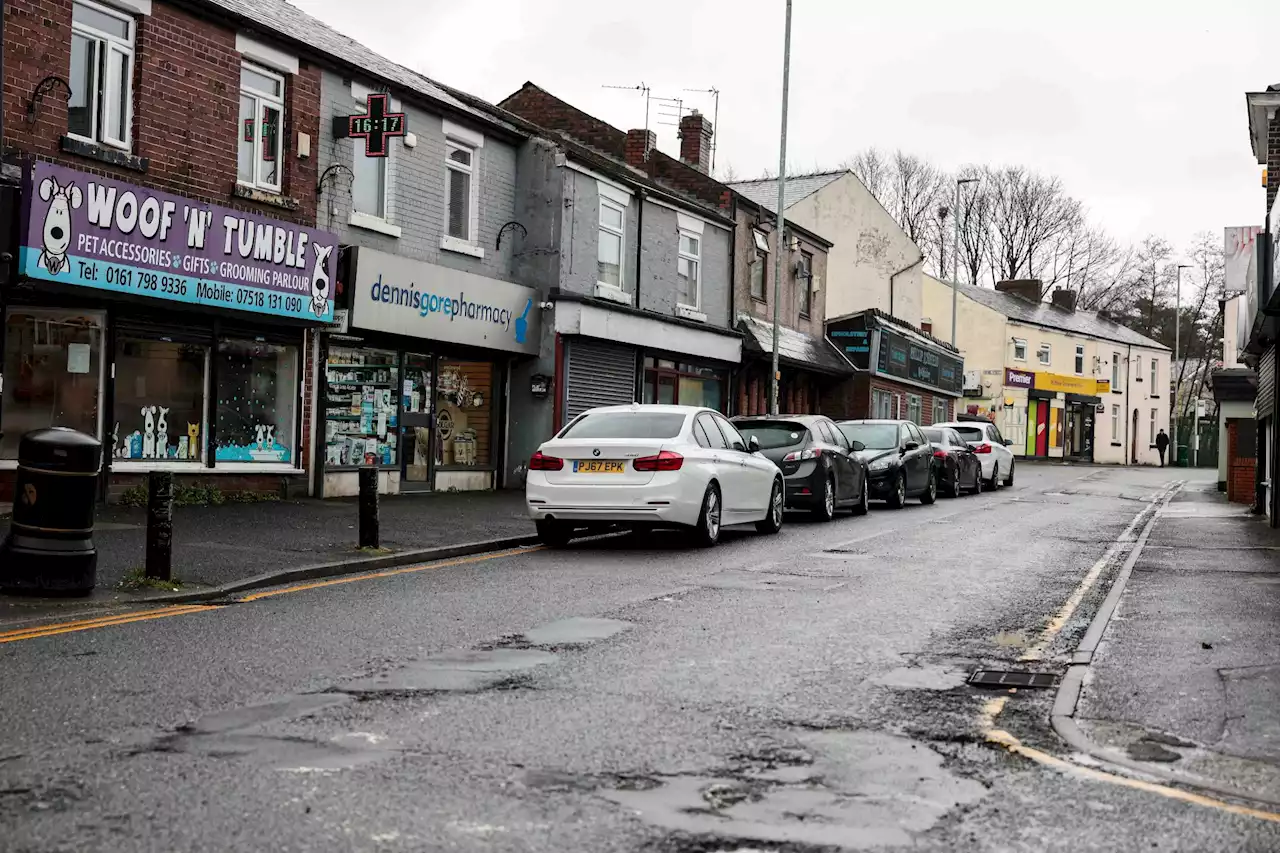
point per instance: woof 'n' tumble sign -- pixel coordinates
(90, 231)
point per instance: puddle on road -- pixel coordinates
(575, 631)
(467, 671)
(286, 708)
(923, 678)
(742, 579)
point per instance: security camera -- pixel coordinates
(546, 306)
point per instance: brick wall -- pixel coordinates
(1240, 470)
(789, 309)
(852, 399)
(186, 86)
(544, 109)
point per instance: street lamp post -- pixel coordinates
(1177, 358)
(955, 255)
(782, 184)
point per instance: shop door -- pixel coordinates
(1042, 427)
(416, 423)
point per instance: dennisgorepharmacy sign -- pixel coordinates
(90, 231)
(406, 297)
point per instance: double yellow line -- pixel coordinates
(49, 630)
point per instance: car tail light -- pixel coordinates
(982, 448)
(539, 462)
(803, 455)
(667, 460)
(939, 454)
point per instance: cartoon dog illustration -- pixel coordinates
(320, 280)
(57, 223)
(149, 432)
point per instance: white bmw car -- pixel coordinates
(650, 466)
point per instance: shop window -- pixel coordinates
(464, 413)
(257, 397)
(159, 400)
(261, 108)
(683, 384)
(881, 404)
(100, 105)
(915, 408)
(939, 411)
(53, 368)
(361, 407)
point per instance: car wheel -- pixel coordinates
(1008, 481)
(898, 497)
(554, 534)
(930, 491)
(953, 489)
(977, 481)
(707, 532)
(994, 482)
(772, 523)
(861, 507)
(826, 510)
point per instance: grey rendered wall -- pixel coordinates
(580, 236)
(659, 252)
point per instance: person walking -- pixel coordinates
(1162, 445)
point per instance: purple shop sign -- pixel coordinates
(1019, 378)
(90, 231)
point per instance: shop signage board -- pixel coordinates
(1084, 385)
(1014, 378)
(90, 231)
(419, 300)
(902, 358)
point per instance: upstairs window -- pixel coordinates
(804, 280)
(100, 108)
(1045, 354)
(1019, 349)
(1115, 371)
(759, 279)
(460, 165)
(1155, 376)
(261, 120)
(689, 269)
(613, 217)
(1079, 360)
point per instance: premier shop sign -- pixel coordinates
(419, 300)
(89, 231)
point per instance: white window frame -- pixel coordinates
(1019, 344)
(1137, 367)
(696, 260)
(806, 285)
(939, 410)
(259, 99)
(108, 45)
(384, 223)
(878, 396)
(1115, 371)
(1079, 365)
(621, 233)
(1154, 413)
(915, 403)
(452, 143)
(1044, 354)
(1115, 423)
(759, 260)
(1155, 376)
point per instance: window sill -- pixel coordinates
(1155, 396)
(104, 154)
(1116, 391)
(141, 466)
(262, 196)
(804, 316)
(462, 247)
(613, 294)
(690, 313)
(373, 223)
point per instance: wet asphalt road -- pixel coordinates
(795, 693)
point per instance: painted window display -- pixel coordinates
(257, 394)
(52, 373)
(464, 406)
(361, 407)
(159, 400)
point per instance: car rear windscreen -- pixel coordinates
(935, 435)
(872, 436)
(970, 433)
(626, 425)
(773, 434)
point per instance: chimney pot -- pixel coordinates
(1064, 299)
(695, 141)
(639, 145)
(1030, 289)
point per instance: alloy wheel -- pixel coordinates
(713, 514)
(902, 489)
(777, 505)
(829, 498)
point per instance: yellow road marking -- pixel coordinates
(49, 630)
(1011, 743)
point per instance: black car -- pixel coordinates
(898, 457)
(820, 467)
(958, 468)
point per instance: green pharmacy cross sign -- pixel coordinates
(375, 127)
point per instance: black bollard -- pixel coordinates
(369, 507)
(160, 525)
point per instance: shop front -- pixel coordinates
(415, 378)
(1062, 414)
(808, 366)
(172, 330)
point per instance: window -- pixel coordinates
(926, 327)
(881, 404)
(714, 436)
(939, 410)
(464, 413)
(688, 269)
(626, 425)
(915, 408)
(1045, 354)
(840, 440)
(759, 275)
(804, 276)
(1137, 368)
(1079, 360)
(100, 108)
(369, 187)
(1115, 424)
(872, 436)
(257, 390)
(731, 434)
(1115, 372)
(1019, 349)
(461, 191)
(53, 373)
(261, 110)
(686, 384)
(609, 252)
(360, 409)
(1155, 377)
(1153, 426)
(160, 400)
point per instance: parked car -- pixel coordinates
(957, 465)
(992, 449)
(820, 467)
(898, 457)
(646, 466)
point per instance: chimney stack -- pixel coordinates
(1030, 289)
(1064, 299)
(695, 141)
(639, 144)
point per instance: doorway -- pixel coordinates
(1080, 420)
(417, 422)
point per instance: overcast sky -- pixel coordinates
(1138, 105)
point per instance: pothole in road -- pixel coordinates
(923, 678)
(454, 672)
(575, 631)
(743, 579)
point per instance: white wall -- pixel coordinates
(1230, 331)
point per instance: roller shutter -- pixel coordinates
(598, 373)
(1266, 400)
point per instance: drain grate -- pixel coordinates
(1004, 678)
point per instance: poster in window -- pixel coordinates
(257, 390)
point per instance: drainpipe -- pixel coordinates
(914, 263)
(1130, 454)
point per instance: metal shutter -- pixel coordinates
(598, 374)
(1266, 400)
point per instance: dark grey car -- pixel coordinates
(898, 457)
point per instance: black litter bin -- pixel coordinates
(49, 549)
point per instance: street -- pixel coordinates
(800, 692)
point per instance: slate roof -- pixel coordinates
(794, 348)
(765, 192)
(289, 22)
(1050, 316)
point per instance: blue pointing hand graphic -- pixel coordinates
(522, 323)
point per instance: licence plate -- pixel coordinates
(599, 466)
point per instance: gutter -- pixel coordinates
(914, 263)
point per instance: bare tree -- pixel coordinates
(874, 170)
(1200, 331)
(974, 227)
(1029, 212)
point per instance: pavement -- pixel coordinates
(801, 693)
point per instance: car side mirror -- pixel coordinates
(1008, 442)
(753, 444)
(858, 447)
(911, 445)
